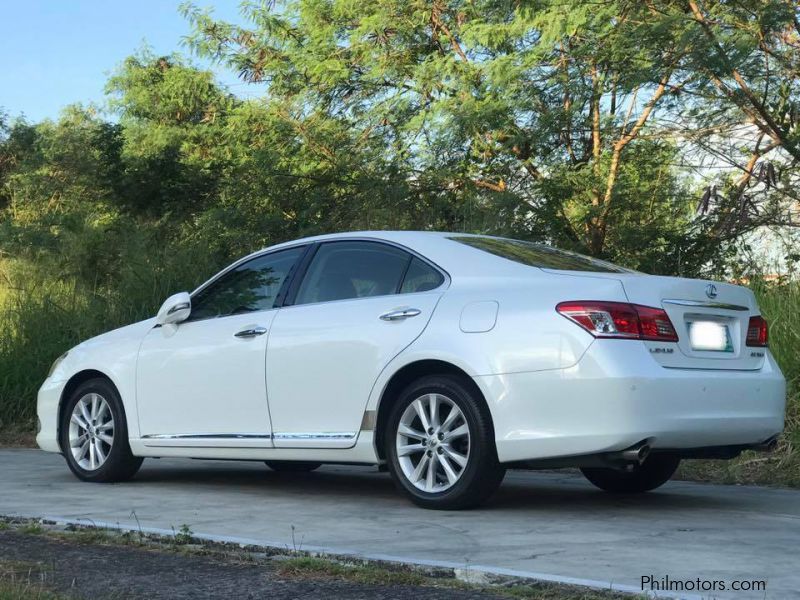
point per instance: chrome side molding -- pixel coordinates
(208, 436)
(315, 436)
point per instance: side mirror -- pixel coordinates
(175, 309)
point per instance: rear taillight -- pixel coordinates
(757, 332)
(620, 320)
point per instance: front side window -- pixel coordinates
(538, 255)
(250, 287)
(343, 270)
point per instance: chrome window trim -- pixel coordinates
(704, 304)
(445, 284)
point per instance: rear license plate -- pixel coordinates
(710, 336)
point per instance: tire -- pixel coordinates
(102, 404)
(654, 472)
(465, 435)
(292, 466)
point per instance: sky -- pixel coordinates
(59, 52)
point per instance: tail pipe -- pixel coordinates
(637, 454)
(768, 445)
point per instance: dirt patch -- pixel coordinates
(10, 438)
(107, 571)
(45, 561)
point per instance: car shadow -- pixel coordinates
(521, 491)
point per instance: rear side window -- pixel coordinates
(343, 270)
(539, 255)
(421, 277)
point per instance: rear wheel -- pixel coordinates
(292, 466)
(654, 472)
(94, 434)
(440, 445)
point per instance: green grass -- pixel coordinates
(24, 581)
(42, 315)
(371, 574)
(20, 590)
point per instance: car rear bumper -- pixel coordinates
(618, 395)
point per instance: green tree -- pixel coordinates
(535, 109)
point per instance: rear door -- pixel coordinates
(359, 304)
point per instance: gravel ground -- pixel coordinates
(106, 571)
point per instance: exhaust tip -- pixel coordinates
(637, 454)
(769, 446)
(644, 452)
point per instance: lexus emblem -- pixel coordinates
(711, 290)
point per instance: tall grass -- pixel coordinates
(42, 316)
(780, 305)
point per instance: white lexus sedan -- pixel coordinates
(445, 358)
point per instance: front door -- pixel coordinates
(358, 306)
(201, 383)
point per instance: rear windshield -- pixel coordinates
(538, 255)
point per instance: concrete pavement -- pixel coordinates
(544, 525)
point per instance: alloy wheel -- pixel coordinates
(433, 443)
(91, 431)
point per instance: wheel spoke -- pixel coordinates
(85, 411)
(106, 426)
(77, 442)
(420, 470)
(83, 450)
(423, 418)
(92, 456)
(410, 449)
(457, 432)
(102, 411)
(459, 459)
(94, 408)
(106, 438)
(433, 401)
(451, 419)
(406, 431)
(98, 452)
(448, 469)
(79, 421)
(430, 476)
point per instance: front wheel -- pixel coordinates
(94, 434)
(440, 445)
(654, 472)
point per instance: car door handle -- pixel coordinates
(398, 315)
(250, 332)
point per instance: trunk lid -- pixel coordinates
(710, 317)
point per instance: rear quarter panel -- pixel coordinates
(527, 335)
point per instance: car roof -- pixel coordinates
(437, 246)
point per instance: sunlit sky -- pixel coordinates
(58, 52)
